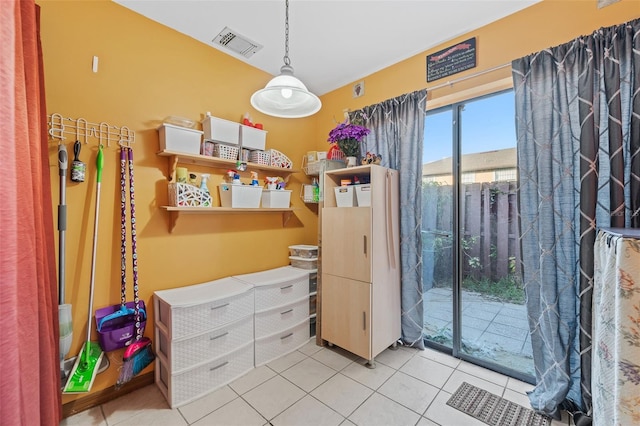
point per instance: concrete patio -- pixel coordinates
(491, 330)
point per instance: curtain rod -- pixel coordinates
(458, 80)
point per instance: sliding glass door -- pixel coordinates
(474, 299)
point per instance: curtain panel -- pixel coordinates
(397, 134)
(578, 135)
(29, 354)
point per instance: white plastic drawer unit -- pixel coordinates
(276, 345)
(188, 385)
(273, 320)
(277, 287)
(186, 352)
(192, 310)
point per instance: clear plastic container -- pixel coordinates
(303, 263)
(302, 250)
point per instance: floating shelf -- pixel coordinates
(218, 163)
(176, 212)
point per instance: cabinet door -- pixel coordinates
(346, 314)
(346, 242)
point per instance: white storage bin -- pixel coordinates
(303, 263)
(276, 198)
(179, 139)
(240, 196)
(345, 196)
(220, 130)
(253, 138)
(302, 250)
(277, 287)
(271, 347)
(266, 322)
(363, 195)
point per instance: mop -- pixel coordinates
(64, 309)
(88, 362)
(138, 354)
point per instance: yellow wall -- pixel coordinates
(545, 24)
(148, 72)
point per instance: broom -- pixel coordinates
(138, 354)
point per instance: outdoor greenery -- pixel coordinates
(508, 289)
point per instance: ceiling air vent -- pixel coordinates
(237, 43)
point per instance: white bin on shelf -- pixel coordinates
(363, 195)
(345, 196)
(220, 130)
(303, 250)
(179, 139)
(240, 196)
(253, 138)
(303, 262)
(276, 198)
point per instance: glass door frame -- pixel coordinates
(457, 251)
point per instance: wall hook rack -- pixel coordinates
(83, 131)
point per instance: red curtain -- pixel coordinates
(29, 354)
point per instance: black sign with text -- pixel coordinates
(452, 60)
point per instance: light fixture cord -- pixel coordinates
(287, 61)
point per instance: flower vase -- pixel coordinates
(351, 161)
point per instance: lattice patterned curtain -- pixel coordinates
(578, 130)
(397, 133)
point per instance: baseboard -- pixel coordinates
(106, 395)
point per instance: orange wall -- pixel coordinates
(148, 72)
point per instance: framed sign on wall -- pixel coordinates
(451, 60)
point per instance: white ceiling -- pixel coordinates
(331, 43)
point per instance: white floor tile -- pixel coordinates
(380, 410)
(289, 360)
(149, 398)
(91, 417)
(440, 357)
(198, 409)
(335, 358)
(273, 397)
(408, 391)
(342, 394)
(394, 358)
(153, 417)
(252, 379)
(443, 414)
(235, 413)
(458, 377)
(519, 386)
(309, 412)
(426, 422)
(517, 397)
(428, 371)
(308, 374)
(483, 373)
(310, 347)
(370, 377)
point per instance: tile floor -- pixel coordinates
(323, 386)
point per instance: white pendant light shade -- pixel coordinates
(285, 96)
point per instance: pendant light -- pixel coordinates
(285, 96)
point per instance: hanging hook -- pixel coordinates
(101, 134)
(125, 137)
(57, 132)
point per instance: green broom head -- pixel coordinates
(137, 357)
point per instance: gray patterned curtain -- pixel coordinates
(397, 133)
(578, 130)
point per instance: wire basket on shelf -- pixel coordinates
(226, 152)
(260, 157)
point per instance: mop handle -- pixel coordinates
(99, 166)
(62, 220)
(134, 250)
(123, 228)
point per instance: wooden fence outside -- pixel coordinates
(489, 231)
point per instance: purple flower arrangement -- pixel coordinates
(348, 137)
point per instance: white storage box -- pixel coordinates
(240, 196)
(276, 198)
(179, 139)
(271, 347)
(363, 195)
(345, 196)
(302, 250)
(220, 130)
(253, 138)
(303, 262)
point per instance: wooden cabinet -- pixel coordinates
(360, 268)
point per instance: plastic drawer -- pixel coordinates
(279, 344)
(285, 317)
